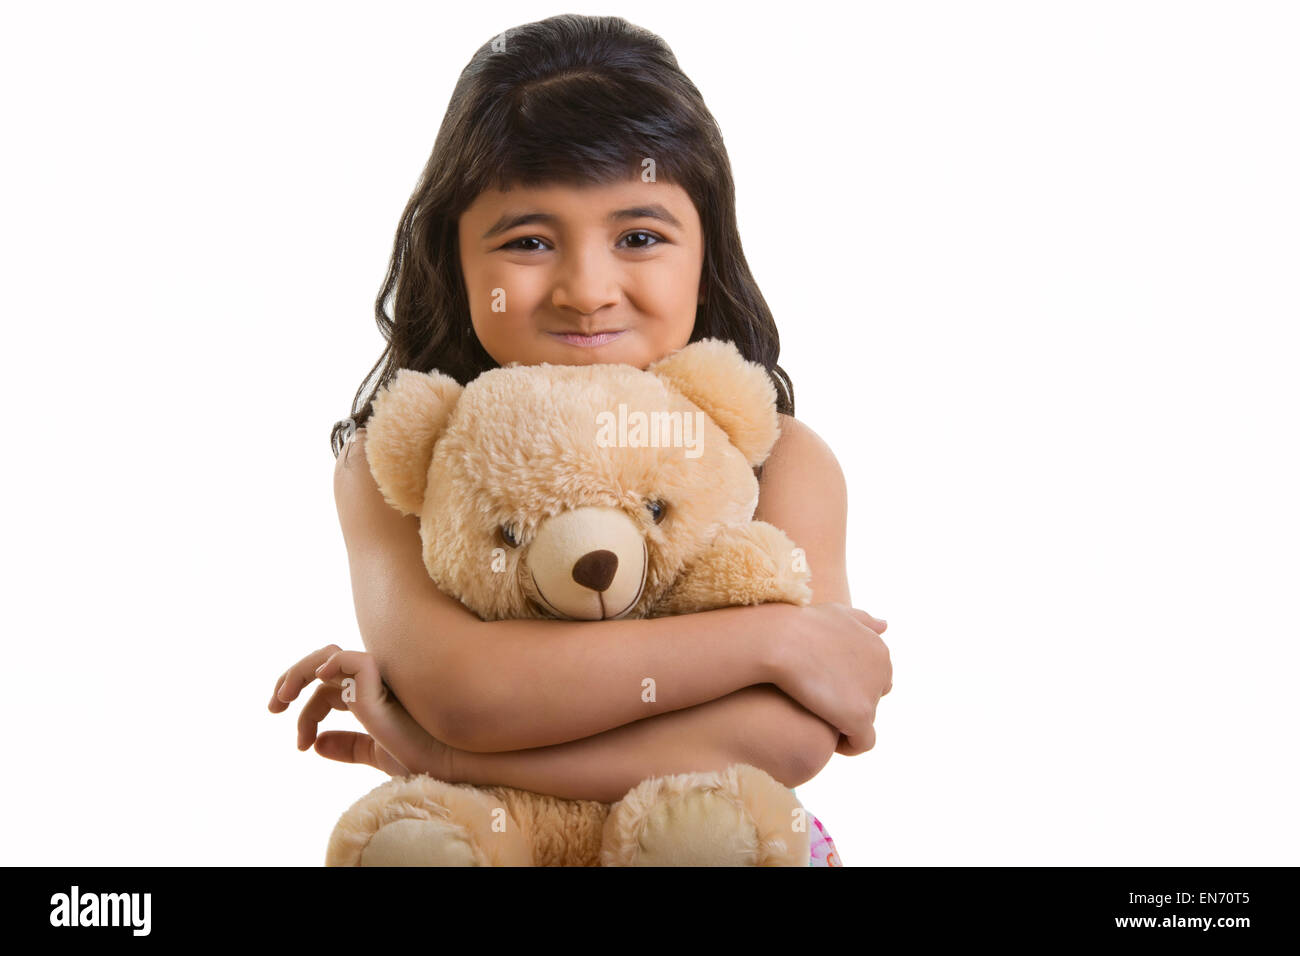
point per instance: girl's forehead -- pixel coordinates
(495, 209)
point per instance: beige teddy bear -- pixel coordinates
(586, 492)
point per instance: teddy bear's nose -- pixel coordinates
(595, 569)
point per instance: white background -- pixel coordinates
(1035, 271)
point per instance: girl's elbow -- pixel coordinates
(428, 703)
(816, 752)
(792, 744)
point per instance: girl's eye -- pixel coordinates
(653, 240)
(514, 244)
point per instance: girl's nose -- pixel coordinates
(587, 281)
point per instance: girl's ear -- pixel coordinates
(736, 393)
(406, 419)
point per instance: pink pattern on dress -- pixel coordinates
(823, 852)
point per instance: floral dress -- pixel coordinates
(823, 847)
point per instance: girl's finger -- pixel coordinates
(322, 701)
(275, 706)
(875, 623)
(349, 747)
(358, 665)
(299, 676)
(397, 735)
(852, 746)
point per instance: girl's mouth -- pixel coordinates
(589, 341)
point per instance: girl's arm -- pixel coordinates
(734, 729)
(512, 685)
(758, 725)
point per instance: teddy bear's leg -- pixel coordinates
(420, 821)
(753, 563)
(740, 816)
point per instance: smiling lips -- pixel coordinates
(589, 341)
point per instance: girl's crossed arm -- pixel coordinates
(602, 767)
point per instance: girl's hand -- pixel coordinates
(350, 680)
(836, 665)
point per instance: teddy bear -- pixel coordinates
(587, 492)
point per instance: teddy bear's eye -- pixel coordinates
(508, 536)
(657, 510)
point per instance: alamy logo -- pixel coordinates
(651, 430)
(101, 909)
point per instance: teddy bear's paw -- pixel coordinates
(412, 842)
(757, 563)
(420, 821)
(752, 563)
(791, 577)
(740, 816)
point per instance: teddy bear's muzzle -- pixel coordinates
(588, 564)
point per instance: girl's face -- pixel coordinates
(548, 266)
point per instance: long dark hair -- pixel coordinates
(569, 100)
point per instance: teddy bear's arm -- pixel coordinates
(752, 563)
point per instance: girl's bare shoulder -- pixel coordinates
(803, 493)
(366, 518)
(353, 482)
(801, 462)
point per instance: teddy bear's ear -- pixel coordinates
(406, 418)
(736, 393)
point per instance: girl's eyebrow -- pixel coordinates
(512, 219)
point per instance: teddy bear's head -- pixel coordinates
(578, 492)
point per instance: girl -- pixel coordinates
(579, 179)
